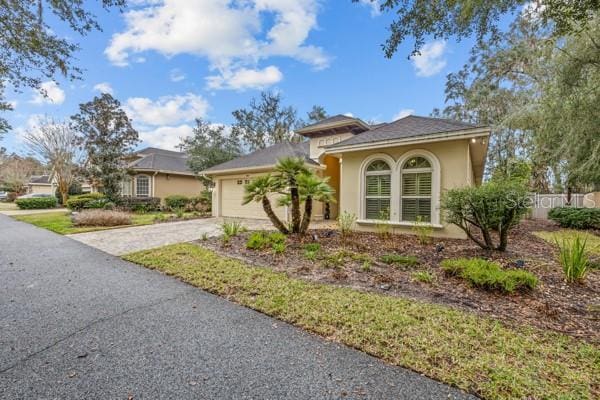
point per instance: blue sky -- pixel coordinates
(171, 61)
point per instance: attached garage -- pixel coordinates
(231, 197)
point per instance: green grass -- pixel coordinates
(477, 354)
(61, 222)
(593, 241)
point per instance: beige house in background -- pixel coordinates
(160, 173)
(395, 171)
(46, 184)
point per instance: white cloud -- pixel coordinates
(375, 6)
(104, 87)
(405, 112)
(31, 125)
(49, 93)
(349, 114)
(230, 34)
(245, 78)
(166, 110)
(165, 137)
(533, 10)
(176, 75)
(431, 60)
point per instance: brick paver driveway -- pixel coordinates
(127, 240)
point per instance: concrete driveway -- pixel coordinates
(77, 323)
(127, 240)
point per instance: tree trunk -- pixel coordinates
(503, 240)
(295, 209)
(307, 215)
(274, 220)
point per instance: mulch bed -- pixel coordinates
(573, 309)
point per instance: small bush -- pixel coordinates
(573, 256)
(101, 218)
(257, 241)
(312, 246)
(81, 201)
(276, 237)
(278, 247)
(311, 251)
(383, 226)
(96, 204)
(400, 260)
(489, 275)
(422, 276)
(576, 218)
(176, 202)
(179, 212)
(232, 228)
(138, 204)
(422, 230)
(346, 223)
(36, 203)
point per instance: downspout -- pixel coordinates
(153, 181)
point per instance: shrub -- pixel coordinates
(177, 201)
(422, 276)
(422, 230)
(312, 247)
(81, 201)
(277, 237)
(98, 203)
(576, 218)
(489, 275)
(179, 212)
(397, 259)
(493, 206)
(346, 223)
(138, 204)
(232, 228)
(101, 218)
(257, 241)
(278, 247)
(35, 203)
(573, 257)
(383, 226)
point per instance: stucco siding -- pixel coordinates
(41, 189)
(169, 184)
(455, 171)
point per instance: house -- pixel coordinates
(46, 184)
(395, 171)
(160, 173)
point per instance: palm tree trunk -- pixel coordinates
(295, 209)
(307, 215)
(274, 220)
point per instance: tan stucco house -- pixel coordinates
(395, 171)
(46, 184)
(154, 172)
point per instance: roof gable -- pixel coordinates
(333, 125)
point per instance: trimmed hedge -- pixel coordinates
(177, 201)
(87, 200)
(138, 204)
(576, 218)
(36, 203)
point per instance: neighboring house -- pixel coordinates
(160, 173)
(45, 184)
(395, 171)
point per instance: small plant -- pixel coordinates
(366, 265)
(489, 275)
(422, 230)
(278, 247)
(179, 212)
(346, 223)
(400, 260)
(422, 276)
(257, 241)
(573, 256)
(276, 237)
(232, 228)
(314, 247)
(334, 260)
(204, 237)
(225, 239)
(383, 226)
(160, 218)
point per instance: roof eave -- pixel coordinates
(334, 125)
(258, 168)
(161, 171)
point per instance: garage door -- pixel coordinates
(232, 194)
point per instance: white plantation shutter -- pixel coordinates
(416, 189)
(378, 189)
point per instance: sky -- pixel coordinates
(169, 62)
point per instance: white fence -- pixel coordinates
(543, 203)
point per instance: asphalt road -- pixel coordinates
(78, 323)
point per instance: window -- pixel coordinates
(416, 189)
(378, 179)
(126, 186)
(142, 186)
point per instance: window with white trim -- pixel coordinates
(142, 186)
(416, 197)
(378, 185)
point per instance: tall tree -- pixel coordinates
(106, 137)
(209, 145)
(55, 143)
(316, 114)
(265, 122)
(462, 18)
(30, 51)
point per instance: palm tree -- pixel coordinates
(258, 190)
(311, 188)
(289, 169)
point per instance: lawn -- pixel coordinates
(593, 241)
(61, 222)
(477, 354)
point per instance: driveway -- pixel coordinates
(127, 240)
(79, 323)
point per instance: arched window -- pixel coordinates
(416, 175)
(378, 180)
(142, 186)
